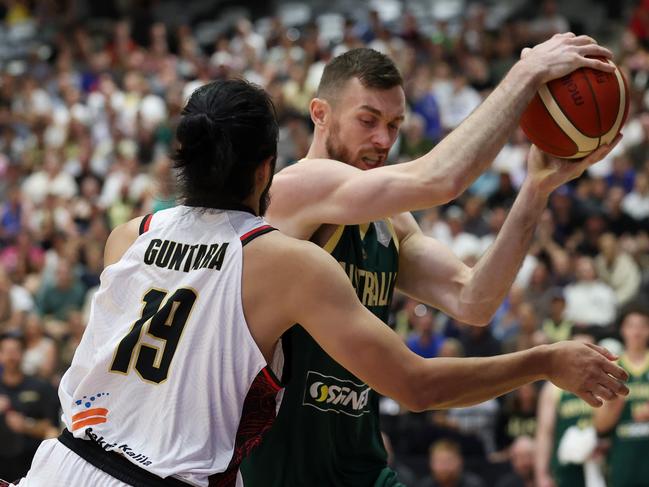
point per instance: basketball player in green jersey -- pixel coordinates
(557, 411)
(327, 431)
(627, 420)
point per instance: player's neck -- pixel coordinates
(318, 148)
(636, 356)
(252, 202)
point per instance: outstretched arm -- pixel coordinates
(432, 274)
(324, 303)
(547, 410)
(313, 192)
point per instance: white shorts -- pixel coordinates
(55, 465)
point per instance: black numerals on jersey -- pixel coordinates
(166, 323)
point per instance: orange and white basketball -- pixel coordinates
(572, 116)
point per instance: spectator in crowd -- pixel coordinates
(516, 418)
(549, 22)
(617, 220)
(627, 420)
(479, 341)
(55, 300)
(556, 327)
(617, 269)
(406, 475)
(589, 301)
(40, 354)
(424, 340)
(463, 244)
(447, 467)
(28, 410)
(521, 456)
(636, 203)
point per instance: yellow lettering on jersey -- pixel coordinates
(638, 391)
(368, 295)
(573, 408)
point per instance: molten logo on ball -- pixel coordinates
(572, 116)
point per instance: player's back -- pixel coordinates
(167, 363)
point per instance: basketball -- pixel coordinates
(572, 116)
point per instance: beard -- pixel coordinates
(335, 148)
(264, 198)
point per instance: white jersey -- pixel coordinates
(167, 373)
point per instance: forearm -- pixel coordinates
(492, 277)
(469, 149)
(451, 382)
(543, 454)
(606, 417)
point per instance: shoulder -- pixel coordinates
(121, 238)
(309, 175)
(279, 248)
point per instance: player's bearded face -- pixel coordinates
(335, 147)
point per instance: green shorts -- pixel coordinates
(388, 478)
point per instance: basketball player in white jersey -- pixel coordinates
(175, 379)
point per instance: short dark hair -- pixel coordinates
(228, 128)
(373, 70)
(15, 336)
(635, 307)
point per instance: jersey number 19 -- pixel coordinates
(166, 323)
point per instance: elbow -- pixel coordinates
(416, 402)
(419, 395)
(476, 315)
(451, 188)
(440, 189)
(455, 186)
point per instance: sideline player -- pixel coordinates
(557, 411)
(627, 420)
(357, 216)
(173, 381)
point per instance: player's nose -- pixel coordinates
(381, 139)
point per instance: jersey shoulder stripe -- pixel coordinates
(254, 233)
(145, 223)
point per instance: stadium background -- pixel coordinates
(90, 93)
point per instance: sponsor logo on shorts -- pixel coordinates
(330, 394)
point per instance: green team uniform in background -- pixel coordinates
(571, 411)
(628, 458)
(327, 430)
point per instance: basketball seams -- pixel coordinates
(553, 148)
(596, 103)
(610, 135)
(581, 140)
(565, 114)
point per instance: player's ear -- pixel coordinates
(264, 171)
(320, 112)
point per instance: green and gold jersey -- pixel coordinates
(628, 458)
(571, 411)
(327, 429)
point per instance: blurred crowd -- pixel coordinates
(88, 109)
